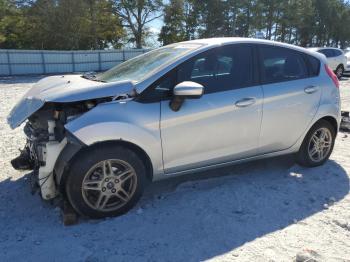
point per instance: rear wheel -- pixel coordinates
(339, 71)
(105, 181)
(317, 145)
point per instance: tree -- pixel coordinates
(136, 14)
(13, 28)
(212, 18)
(105, 26)
(173, 29)
(59, 24)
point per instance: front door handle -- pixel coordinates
(310, 89)
(244, 102)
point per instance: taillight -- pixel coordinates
(332, 75)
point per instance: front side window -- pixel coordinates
(225, 64)
(235, 67)
(200, 69)
(281, 64)
(224, 68)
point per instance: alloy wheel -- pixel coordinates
(320, 144)
(109, 185)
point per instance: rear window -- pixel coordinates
(314, 65)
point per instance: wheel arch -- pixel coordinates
(331, 120)
(69, 155)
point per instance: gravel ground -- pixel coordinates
(270, 210)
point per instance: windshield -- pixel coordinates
(137, 68)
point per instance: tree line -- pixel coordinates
(76, 24)
(300, 22)
(97, 24)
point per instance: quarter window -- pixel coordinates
(282, 64)
(314, 65)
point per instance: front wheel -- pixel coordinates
(105, 181)
(317, 145)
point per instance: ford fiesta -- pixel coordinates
(97, 139)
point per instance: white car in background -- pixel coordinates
(347, 55)
(336, 58)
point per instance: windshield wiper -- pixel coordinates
(92, 76)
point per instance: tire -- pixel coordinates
(339, 71)
(305, 156)
(105, 181)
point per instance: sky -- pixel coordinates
(155, 27)
(156, 24)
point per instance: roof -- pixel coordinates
(232, 40)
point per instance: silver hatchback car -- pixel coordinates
(185, 107)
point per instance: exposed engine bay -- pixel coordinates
(46, 138)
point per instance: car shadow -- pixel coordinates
(189, 218)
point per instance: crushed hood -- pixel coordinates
(63, 89)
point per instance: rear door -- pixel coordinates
(291, 96)
(222, 125)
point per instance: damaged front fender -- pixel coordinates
(72, 147)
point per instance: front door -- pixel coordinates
(224, 124)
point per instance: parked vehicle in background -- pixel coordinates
(97, 139)
(347, 55)
(337, 61)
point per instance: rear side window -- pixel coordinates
(281, 64)
(314, 65)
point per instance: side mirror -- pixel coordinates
(183, 90)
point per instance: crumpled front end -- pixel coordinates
(46, 138)
(47, 108)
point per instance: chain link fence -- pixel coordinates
(32, 62)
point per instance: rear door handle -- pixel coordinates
(245, 102)
(310, 89)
